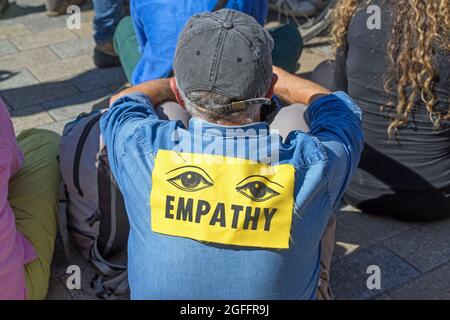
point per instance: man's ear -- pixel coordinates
(270, 92)
(173, 87)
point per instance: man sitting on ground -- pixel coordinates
(225, 209)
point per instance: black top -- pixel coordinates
(407, 176)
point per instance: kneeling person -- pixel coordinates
(224, 208)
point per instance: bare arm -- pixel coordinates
(293, 89)
(158, 90)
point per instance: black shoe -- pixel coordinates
(3, 6)
(105, 57)
(60, 7)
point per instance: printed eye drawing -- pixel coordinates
(257, 188)
(191, 179)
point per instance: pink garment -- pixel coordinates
(15, 249)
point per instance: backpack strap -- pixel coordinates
(114, 225)
(104, 266)
(62, 218)
(62, 223)
(115, 288)
(79, 149)
(112, 282)
(220, 5)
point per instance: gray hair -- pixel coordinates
(196, 99)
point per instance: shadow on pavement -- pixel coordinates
(83, 88)
(14, 10)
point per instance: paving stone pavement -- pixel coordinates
(47, 78)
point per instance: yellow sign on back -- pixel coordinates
(222, 200)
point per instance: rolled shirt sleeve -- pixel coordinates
(335, 120)
(119, 123)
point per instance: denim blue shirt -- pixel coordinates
(171, 267)
(158, 23)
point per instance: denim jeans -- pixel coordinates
(107, 15)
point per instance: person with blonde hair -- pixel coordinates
(399, 75)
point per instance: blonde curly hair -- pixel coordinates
(420, 28)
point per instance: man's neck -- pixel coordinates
(230, 124)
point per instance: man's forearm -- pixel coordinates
(293, 89)
(158, 90)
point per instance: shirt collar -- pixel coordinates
(197, 125)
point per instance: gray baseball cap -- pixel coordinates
(227, 52)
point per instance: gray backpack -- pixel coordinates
(94, 214)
